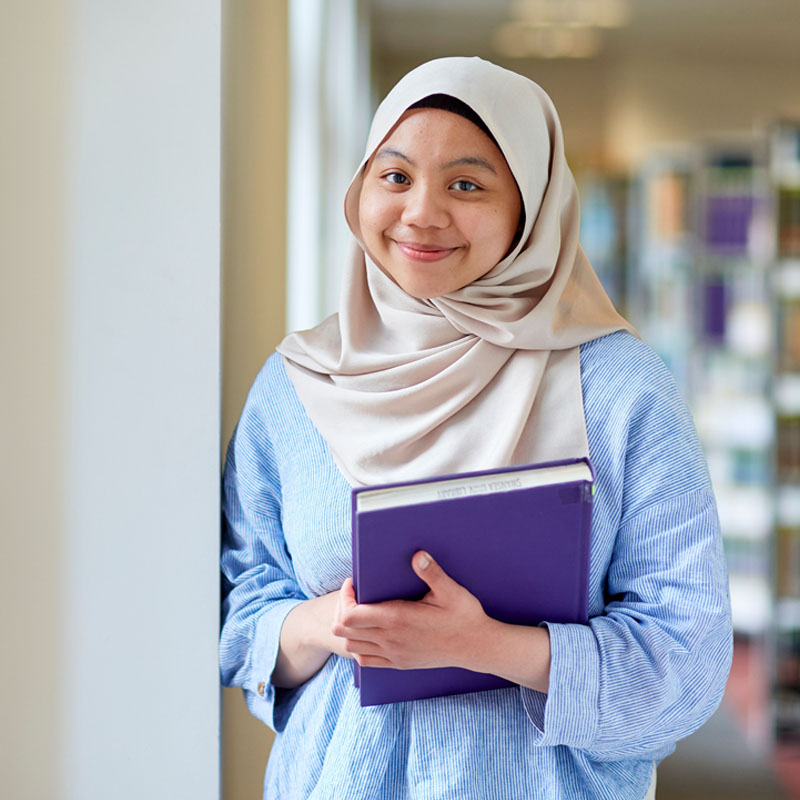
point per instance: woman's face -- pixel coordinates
(439, 206)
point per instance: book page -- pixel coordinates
(450, 488)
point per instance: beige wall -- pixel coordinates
(35, 47)
(255, 114)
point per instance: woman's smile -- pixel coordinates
(424, 252)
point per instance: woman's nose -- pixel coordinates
(425, 208)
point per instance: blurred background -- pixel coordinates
(130, 287)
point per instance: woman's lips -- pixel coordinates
(424, 252)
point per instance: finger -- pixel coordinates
(347, 598)
(347, 595)
(361, 647)
(378, 616)
(373, 661)
(430, 572)
(348, 590)
(354, 617)
(347, 627)
(345, 605)
(362, 618)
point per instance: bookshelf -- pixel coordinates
(660, 274)
(785, 177)
(731, 368)
(710, 275)
(604, 229)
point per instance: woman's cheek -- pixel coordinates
(373, 215)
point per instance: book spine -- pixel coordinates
(587, 547)
(354, 550)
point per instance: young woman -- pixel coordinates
(473, 333)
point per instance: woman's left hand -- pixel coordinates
(447, 627)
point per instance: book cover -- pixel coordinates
(518, 538)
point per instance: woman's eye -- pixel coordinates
(465, 186)
(396, 177)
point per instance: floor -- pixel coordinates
(729, 757)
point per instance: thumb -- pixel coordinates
(430, 572)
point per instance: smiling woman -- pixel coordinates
(439, 206)
(473, 333)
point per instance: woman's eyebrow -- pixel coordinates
(471, 161)
(387, 152)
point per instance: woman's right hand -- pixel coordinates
(307, 641)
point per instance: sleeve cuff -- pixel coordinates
(567, 714)
(260, 689)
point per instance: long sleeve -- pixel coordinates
(259, 586)
(652, 665)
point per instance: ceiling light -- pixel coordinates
(589, 13)
(558, 28)
(519, 40)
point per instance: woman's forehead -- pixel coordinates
(436, 131)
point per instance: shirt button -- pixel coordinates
(262, 688)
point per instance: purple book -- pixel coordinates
(518, 538)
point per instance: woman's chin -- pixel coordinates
(423, 290)
(426, 284)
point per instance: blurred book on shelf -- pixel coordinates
(788, 319)
(789, 222)
(728, 204)
(788, 562)
(785, 172)
(661, 257)
(604, 228)
(788, 451)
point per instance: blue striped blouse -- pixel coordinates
(649, 669)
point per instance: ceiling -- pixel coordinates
(743, 30)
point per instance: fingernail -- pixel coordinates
(424, 560)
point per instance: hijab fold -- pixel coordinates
(486, 376)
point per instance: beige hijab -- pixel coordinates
(489, 375)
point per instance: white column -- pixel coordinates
(139, 681)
